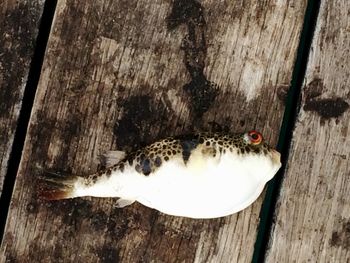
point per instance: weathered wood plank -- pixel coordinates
(118, 74)
(312, 219)
(19, 27)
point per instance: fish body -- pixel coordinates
(205, 175)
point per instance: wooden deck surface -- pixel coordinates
(312, 217)
(119, 74)
(19, 24)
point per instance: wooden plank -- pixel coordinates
(312, 219)
(118, 74)
(19, 22)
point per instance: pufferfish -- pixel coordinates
(206, 175)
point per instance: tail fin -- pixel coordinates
(56, 187)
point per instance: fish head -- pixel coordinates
(267, 158)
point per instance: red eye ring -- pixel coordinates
(255, 137)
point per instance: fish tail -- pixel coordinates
(56, 187)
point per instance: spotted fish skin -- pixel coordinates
(177, 175)
(147, 160)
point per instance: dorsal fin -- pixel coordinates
(112, 158)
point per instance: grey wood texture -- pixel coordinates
(19, 23)
(119, 74)
(312, 219)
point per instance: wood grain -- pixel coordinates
(119, 74)
(19, 28)
(312, 219)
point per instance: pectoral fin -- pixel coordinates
(112, 158)
(123, 202)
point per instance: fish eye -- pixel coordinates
(255, 137)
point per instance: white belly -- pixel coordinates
(206, 188)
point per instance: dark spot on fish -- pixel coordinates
(158, 161)
(241, 150)
(247, 149)
(109, 172)
(201, 140)
(166, 158)
(164, 147)
(131, 160)
(95, 177)
(174, 152)
(256, 150)
(187, 146)
(169, 152)
(327, 108)
(146, 167)
(151, 155)
(207, 143)
(121, 167)
(220, 143)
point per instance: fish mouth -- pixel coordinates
(276, 157)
